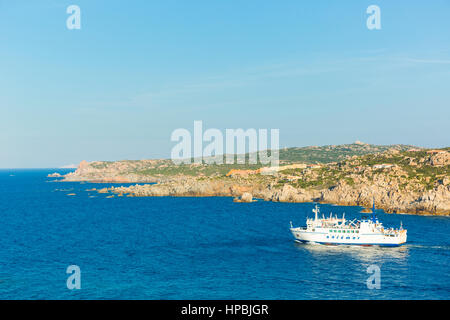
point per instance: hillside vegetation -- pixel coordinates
(307, 155)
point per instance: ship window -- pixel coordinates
(339, 231)
(357, 231)
(353, 238)
(328, 237)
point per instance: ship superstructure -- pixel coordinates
(333, 231)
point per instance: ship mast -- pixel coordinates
(373, 210)
(316, 211)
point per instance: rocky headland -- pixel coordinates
(399, 179)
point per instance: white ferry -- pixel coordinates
(334, 231)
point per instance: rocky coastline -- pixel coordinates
(433, 202)
(395, 187)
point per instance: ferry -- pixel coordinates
(339, 231)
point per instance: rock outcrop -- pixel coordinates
(440, 159)
(54, 175)
(290, 194)
(246, 197)
(112, 172)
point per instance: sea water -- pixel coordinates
(197, 248)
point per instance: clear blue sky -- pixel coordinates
(137, 70)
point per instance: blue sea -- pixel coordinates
(197, 248)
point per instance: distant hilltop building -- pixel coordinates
(383, 166)
(359, 142)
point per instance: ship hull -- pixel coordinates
(353, 244)
(326, 238)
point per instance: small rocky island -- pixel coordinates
(399, 178)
